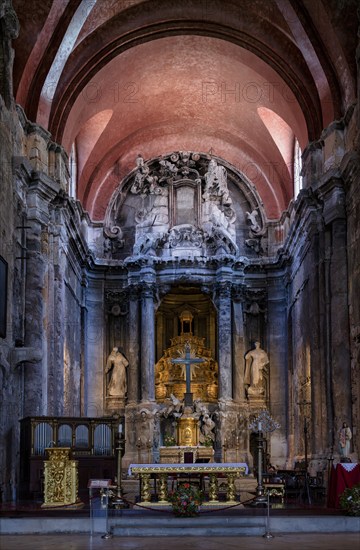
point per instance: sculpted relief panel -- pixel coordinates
(181, 205)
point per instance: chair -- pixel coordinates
(274, 486)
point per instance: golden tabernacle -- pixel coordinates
(187, 431)
(61, 479)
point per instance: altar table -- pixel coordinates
(163, 471)
(342, 476)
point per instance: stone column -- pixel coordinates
(94, 389)
(147, 343)
(238, 346)
(159, 335)
(133, 336)
(276, 347)
(39, 385)
(224, 340)
(337, 313)
(340, 344)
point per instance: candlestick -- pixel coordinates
(120, 429)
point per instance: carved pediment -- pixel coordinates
(177, 206)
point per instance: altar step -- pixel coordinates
(227, 526)
(197, 527)
(128, 523)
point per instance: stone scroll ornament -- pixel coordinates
(257, 231)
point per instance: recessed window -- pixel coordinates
(73, 172)
(298, 180)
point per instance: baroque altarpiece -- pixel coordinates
(185, 244)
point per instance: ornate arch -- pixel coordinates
(184, 204)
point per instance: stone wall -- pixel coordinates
(11, 209)
(11, 202)
(322, 298)
(42, 356)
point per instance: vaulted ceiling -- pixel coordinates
(241, 79)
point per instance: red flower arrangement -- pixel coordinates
(186, 500)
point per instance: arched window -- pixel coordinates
(298, 181)
(73, 171)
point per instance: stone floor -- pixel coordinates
(303, 517)
(86, 542)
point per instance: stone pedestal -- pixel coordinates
(177, 454)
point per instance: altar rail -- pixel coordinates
(91, 440)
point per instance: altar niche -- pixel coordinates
(188, 362)
(185, 326)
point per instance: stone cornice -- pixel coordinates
(31, 127)
(332, 195)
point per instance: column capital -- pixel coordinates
(116, 301)
(148, 290)
(223, 289)
(134, 291)
(238, 291)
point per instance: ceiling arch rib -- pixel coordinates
(24, 69)
(65, 47)
(38, 61)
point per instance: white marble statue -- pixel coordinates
(174, 408)
(216, 182)
(252, 217)
(345, 436)
(207, 427)
(256, 361)
(116, 365)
